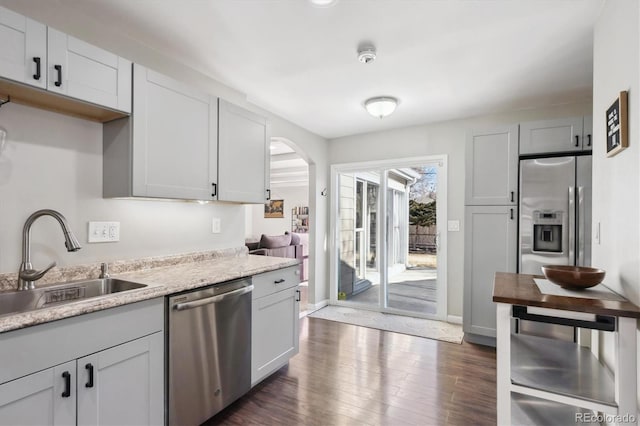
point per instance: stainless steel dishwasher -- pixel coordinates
(209, 350)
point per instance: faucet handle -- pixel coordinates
(33, 275)
(104, 270)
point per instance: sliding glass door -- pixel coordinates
(390, 262)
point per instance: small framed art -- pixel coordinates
(617, 125)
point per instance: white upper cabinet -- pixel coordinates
(36, 55)
(23, 49)
(168, 147)
(244, 152)
(492, 167)
(86, 72)
(557, 135)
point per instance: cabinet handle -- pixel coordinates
(67, 384)
(280, 281)
(512, 195)
(37, 75)
(268, 194)
(511, 214)
(89, 368)
(298, 295)
(214, 190)
(58, 82)
(577, 140)
(588, 140)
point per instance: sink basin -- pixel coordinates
(28, 300)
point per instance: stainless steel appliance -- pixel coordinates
(555, 222)
(209, 350)
(555, 212)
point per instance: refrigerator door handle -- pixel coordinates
(572, 226)
(580, 216)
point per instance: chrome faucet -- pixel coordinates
(27, 275)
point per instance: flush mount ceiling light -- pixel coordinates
(381, 106)
(323, 3)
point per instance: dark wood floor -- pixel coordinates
(349, 375)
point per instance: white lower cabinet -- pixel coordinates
(106, 378)
(275, 318)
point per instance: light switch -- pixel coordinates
(103, 232)
(215, 225)
(453, 225)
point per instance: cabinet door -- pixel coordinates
(175, 139)
(86, 72)
(274, 334)
(244, 146)
(547, 136)
(23, 49)
(123, 385)
(490, 247)
(587, 131)
(40, 398)
(492, 167)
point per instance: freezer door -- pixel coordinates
(547, 213)
(583, 211)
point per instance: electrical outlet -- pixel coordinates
(103, 232)
(215, 225)
(453, 225)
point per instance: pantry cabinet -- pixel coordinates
(101, 368)
(492, 167)
(275, 321)
(46, 58)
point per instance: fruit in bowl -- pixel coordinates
(573, 277)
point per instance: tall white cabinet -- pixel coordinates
(491, 198)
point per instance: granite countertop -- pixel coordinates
(520, 289)
(160, 281)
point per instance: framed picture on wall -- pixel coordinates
(617, 125)
(274, 209)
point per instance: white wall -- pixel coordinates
(313, 148)
(442, 138)
(55, 161)
(616, 180)
(292, 196)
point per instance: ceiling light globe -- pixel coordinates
(381, 107)
(323, 3)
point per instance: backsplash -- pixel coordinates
(92, 270)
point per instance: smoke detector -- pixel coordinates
(367, 54)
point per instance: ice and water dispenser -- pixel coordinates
(547, 231)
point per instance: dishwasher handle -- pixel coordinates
(213, 299)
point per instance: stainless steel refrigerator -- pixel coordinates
(555, 223)
(555, 212)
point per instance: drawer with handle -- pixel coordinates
(273, 281)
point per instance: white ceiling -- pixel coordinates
(287, 167)
(442, 59)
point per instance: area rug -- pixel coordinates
(397, 323)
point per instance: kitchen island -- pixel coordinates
(544, 381)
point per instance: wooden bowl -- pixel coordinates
(573, 277)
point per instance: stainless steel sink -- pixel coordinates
(28, 300)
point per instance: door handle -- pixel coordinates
(512, 196)
(588, 140)
(89, 368)
(37, 75)
(67, 384)
(577, 140)
(213, 299)
(268, 194)
(298, 295)
(511, 214)
(214, 189)
(58, 82)
(280, 281)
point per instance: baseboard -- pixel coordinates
(316, 306)
(454, 319)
